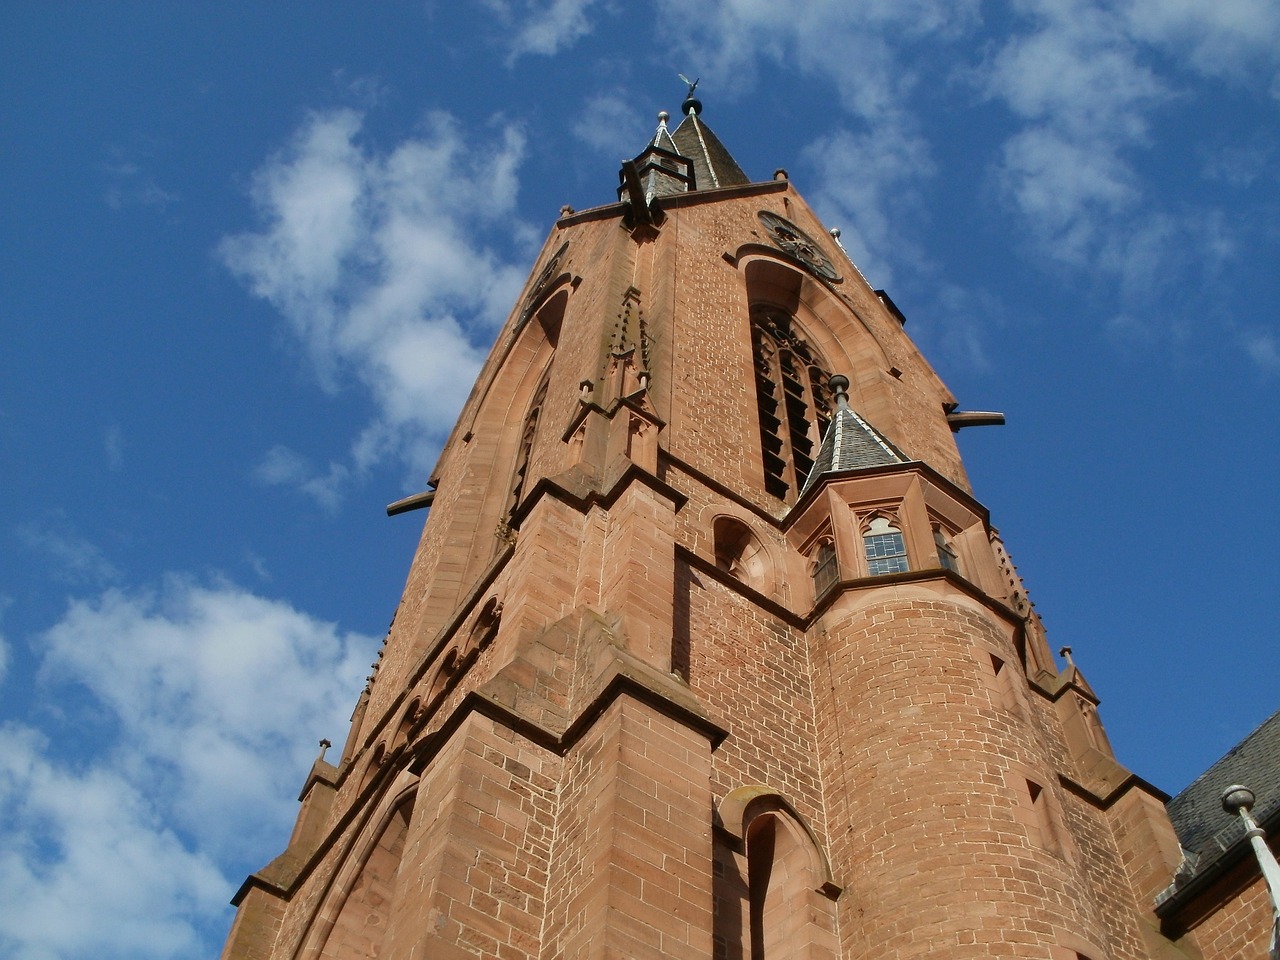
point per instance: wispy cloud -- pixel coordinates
(609, 123)
(1077, 83)
(1087, 87)
(372, 258)
(75, 559)
(282, 466)
(130, 841)
(128, 183)
(1263, 348)
(542, 27)
(864, 181)
(1235, 39)
(113, 447)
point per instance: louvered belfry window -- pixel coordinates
(791, 388)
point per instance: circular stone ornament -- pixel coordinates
(799, 244)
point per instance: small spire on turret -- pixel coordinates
(849, 442)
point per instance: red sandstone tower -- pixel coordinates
(708, 650)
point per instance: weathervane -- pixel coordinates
(691, 103)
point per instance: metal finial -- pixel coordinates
(663, 117)
(1237, 797)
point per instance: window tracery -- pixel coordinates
(527, 435)
(791, 381)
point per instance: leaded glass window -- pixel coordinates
(825, 569)
(946, 553)
(886, 551)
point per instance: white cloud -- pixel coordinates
(871, 170)
(1088, 80)
(373, 258)
(282, 466)
(1238, 165)
(857, 44)
(95, 872)
(1068, 192)
(550, 27)
(1079, 84)
(128, 824)
(128, 184)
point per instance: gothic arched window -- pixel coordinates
(946, 552)
(886, 551)
(526, 448)
(791, 383)
(825, 569)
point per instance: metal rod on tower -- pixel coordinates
(1239, 799)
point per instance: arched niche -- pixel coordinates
(739, 548)
(739, 552)
(775, 896)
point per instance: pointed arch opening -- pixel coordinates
(792, 398)
(775, 897)
(824, 567)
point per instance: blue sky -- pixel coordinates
(239, 251)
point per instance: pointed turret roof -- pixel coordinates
(690, 158)
(712, 163)
(850, 443)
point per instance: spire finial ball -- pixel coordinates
(1236, 798)
(663, 116)
(838, 384)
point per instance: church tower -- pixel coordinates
(708, 650)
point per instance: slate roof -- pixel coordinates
(851, 443)
(1203, 828)
(712, 163)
